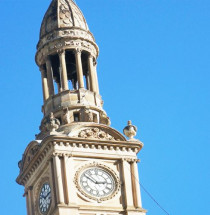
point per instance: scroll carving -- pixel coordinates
(95, 133)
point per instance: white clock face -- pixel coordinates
(97, 182)
(45, 198)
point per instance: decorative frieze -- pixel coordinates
(95, 133)
(90, 145)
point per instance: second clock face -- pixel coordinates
(97, 182)
(45, 198)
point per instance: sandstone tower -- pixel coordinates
(78, 164)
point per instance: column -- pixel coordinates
(63, 71)
(136, 187)
(127, 184)
(27, 203)
(58, 180)
(44, 84)
(50, 76)
(30, 197)
(78, 55)
(96, 78)
(70, 186)
(91, 73)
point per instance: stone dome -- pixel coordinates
(62, 14)
(64, 27)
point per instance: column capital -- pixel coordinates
(78, 51)
(61, 51)
(55, 155)
(90, 56)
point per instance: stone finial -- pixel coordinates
(130, 130)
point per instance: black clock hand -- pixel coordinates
(101, 182)
(92, 179)
(47, 195)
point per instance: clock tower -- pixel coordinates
(78, 164)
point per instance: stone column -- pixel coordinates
(96, 78)
(50, 76)
(30, 197)
(128, 194)
(136, 186)
(70, 186)
(92, 74)
(63, 71)
(44, 84)
(78, 54)
(27, 203)
(58, 180)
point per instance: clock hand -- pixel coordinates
(101, 182)
(92, 179)
(47, 195)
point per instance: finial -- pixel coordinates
(130, 130)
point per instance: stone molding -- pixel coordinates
(65, 43)
(73, 33)
(101, 165)
(48, 144)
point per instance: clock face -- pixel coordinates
(45, 198)
(97, 182)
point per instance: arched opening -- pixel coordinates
(55, 62)
(71, 70)
(86, 77)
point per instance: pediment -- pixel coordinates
(28, 155)
(97, 133)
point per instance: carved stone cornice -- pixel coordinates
(49, 143)
(131, 160)
(73, 33)
(28, 171)
(51, 47)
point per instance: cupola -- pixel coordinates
(67, 56)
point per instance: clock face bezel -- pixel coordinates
(39, 198)
(97, 182)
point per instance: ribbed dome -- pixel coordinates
(62, 14)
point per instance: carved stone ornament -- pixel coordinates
(104, 119)
(81, 191)
(50, 124)
(88, 115)
(66, 116)
(95, 133)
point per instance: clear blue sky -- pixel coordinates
(153, 68)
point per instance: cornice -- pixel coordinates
(50, 142)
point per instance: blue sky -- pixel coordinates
(153, 68)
